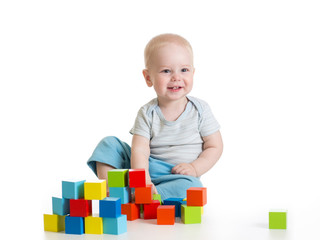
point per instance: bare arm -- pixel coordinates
(140, 152)
(212, 150)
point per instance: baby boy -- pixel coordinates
(176, 138)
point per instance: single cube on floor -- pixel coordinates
(278, 219)
(190, 214)
(132, 211)
(137, 178)
(53, 222)
(110, 207)
(60, 206)
(93, 225)
(73, 189)
(150, 210)
(166, 215)
(116, 225)
(118, 178)
(74, 225)
(95, 190)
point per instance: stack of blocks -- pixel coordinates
(73, 212)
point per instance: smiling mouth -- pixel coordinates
(174, 88)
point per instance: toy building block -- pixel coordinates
(60, 206)
(176, 202)
(116, 225)
(278, 219)
(118, 178)
(137, 178)
(166, 215)
(196, 196)
(120, 192)
(131, 210)
(93, 225)
(53, 222)
(80, 208)
(150, 210)
(157, 197)
(95, 190)
(190, 214)
(143, 195)
(110, 207)
(74, 225)
(73, 190)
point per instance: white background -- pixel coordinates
(71, 73)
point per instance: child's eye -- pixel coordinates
(166, 71)
(184, 70)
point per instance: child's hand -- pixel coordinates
(153, 187)
(184, 169)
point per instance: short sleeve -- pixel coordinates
(208, 123)
(142, 124)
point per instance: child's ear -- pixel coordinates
(147, 77)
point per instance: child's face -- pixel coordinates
(171, 72)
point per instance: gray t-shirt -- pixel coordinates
(177, 141)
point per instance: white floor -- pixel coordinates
(218, 223)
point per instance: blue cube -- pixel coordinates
(176, 202)
(60, 206)
(115, 226)
(120, 192)
(73, 190)
(74, 225)
(110, 207)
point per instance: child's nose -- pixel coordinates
(175, 77)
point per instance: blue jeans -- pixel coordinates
(116, 153)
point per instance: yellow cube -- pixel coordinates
(93, 225)
(95, 190)
(53, 222)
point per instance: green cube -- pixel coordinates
(190, 214)
(157, 197)
(278, 219)
(118, 178)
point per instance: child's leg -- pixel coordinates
(170, 185)
(112, 152)
(175, 185)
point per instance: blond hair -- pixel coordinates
(159, 41)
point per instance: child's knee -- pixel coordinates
(195, 182)
(110, 140)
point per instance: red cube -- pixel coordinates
(80, 208)
(150, 210)
(143, 195)
(196, 196)
(131, 210)
(137, 178)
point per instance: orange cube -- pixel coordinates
(143, 195)
(196, 196)
(131, 210)
(166, 215)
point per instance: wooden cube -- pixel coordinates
(196, 196)
(53, 222)
(95, 190)
(143, 195)
(137, 178)
(131, 210)
(166, 215)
